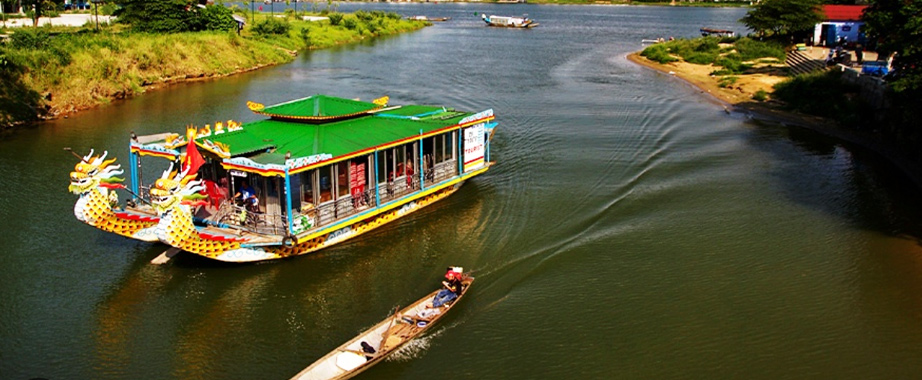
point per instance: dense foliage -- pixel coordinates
(707, 50)
(823, 94)
(173, 16)
(271, 26)
(781, 19)
(897, 27)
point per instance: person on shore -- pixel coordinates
(452, 289)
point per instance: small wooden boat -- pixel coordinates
(381, 340)
(509, 22)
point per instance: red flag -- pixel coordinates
(193, 159)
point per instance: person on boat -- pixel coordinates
(247, 195)
(408, 171)
(368, 350)
(452, 289)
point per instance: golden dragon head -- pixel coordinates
(94, 171)
(174, 188)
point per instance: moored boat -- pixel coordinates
(427, 18)
(375, 344)
(509, 22)
(316, 171)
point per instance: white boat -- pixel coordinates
(509, 22)
(381, 340)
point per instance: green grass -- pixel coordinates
(708, 51)
(48, 71)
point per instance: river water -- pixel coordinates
(630, 229)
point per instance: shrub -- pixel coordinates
(335, 18)
(750, 49)
(271, 26)
(30, 38)
(166, 16)
(215, 17)
(364, 16)
(822, 94)
(731, 64)
(727, 81)
(760, 95)
(350, 23)
(658, 53)
(306, 37)
(701, 58)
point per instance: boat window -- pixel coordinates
(428, 147)
(400, 158)
(386, 169)
(295, 191)
(439, 148)
(342, 179)
(307, 187)
(449, 146)
(412, 154)
(325, 180)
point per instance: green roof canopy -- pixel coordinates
(267, 141)
(316, 109)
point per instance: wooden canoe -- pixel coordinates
(386, 337)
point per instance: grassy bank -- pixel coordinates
(48, 72)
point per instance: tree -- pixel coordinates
(164, 16)
(783, 18)
(174, 16)
(897, 27)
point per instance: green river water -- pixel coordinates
(630, 229)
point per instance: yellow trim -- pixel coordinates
(350, 222)
(215, 152)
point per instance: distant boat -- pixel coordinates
(509, 22)
(718, 32)
(425, 18)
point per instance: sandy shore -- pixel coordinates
(738, 98)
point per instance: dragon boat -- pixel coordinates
(321, 170)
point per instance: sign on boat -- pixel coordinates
(314, 172)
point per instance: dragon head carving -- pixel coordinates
(94, 171)
(175, 188)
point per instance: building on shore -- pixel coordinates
(843, 22)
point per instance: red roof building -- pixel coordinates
(843, 12)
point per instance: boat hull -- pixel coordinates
(242, 251)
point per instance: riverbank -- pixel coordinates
(739, 98)
(54, 72)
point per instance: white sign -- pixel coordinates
(473, 147)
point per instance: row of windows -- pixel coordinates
(344, 178)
